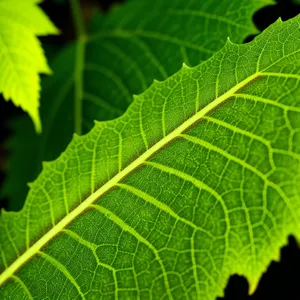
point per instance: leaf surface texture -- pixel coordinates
(198, 180)
(125, 50)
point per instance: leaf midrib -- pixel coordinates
(56, 229)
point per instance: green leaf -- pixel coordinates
(198, 180)
(124, 52)
(22, 57)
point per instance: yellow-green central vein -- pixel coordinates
(36, 247)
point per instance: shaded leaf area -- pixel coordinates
(22, 57)
(123, 54)
(197, 181)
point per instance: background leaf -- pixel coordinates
(125, 51)
(196, 181)
(21, 55)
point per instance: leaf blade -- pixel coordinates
(240, 197)
(127, 65)
(22, 55)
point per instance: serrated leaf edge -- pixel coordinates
(34, 249)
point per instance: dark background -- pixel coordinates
(282, 279)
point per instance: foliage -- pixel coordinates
(196, 181)
(22, 57)
(123, 55)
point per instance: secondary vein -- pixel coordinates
(63, 223)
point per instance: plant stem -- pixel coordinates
(79, 64)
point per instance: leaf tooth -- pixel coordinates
(228, 41)
(135, 97)
(45, 163)
(185, 66)
(30, 184)
(229, 44)
(77, 136)
(155, 81)
(96, 123)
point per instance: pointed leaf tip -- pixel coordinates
(22, 85)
